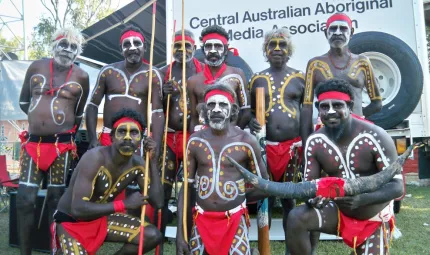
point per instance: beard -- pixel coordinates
(63, 60)
(188, 57)
(218, 125)
(334, 133)
(216, 62)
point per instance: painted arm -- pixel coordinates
(253, 194)
(85, 84)
(256, 82)
(242, 93)
(312, 168)
(25, 96)
(372, 88)
(158, 117)
(93, 109)
(306, 125)
(193, 105)
(392, 189)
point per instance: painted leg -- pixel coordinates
(68, 244)
(57, 177)
(25, 202)
(196, 244)
(240, 245)
(377, 243)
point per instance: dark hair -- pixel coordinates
(129, 113)
(132, 28)
(335, 85)
(224, 87)
(214, 29)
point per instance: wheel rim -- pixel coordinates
(388, 75)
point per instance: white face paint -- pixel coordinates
(132, 43)
(65, 52)
(218, 111)
(214, 51)
(338, 34)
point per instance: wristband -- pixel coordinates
(119, 206)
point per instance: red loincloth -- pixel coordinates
(355, 232)
(90, 234)
(330, 187)
(48, 148)
(217, 230)
(278, 157)
(174, 141)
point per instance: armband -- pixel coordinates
(119, 206)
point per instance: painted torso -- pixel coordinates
(123, 90)
(283, 93)
(358, 73)
(220, 187)
(50, 114)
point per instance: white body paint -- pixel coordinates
(212, 49)
(225, 111)
(337, 24)
(242, 87)
(133, 46)
(204, 181)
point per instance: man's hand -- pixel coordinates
(93, 144)
(254, 126)
(182, 247)
(170, 88)
(149, 145)
(318, 202)
(349, 202)
(135, 201)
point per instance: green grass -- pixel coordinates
(414, 213)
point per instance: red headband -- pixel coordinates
(219, 92)
(334, 95)
(339, 17)
(59, 37)
(215, 36)
(178, 38)
(126, 119)
(130, 33)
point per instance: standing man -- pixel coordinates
(284, 87)
(215, 48)
(346, 147)
(125, 85)
(87, 214)
(339, 62)
(53, 96)
(173, 87)
(220, 214)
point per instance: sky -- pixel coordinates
(33, 10)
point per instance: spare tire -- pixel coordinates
(398, 71)
(231, 60)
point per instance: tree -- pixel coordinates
(61, 13)
(11, 46)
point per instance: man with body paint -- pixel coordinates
(53, 96)
(125, 85)
(340, 63)
(215, 48)
(347, 147)
(173, 87)
(87, 214)
(283, 87)
(219, 213)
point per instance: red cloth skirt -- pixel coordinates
(278, 157)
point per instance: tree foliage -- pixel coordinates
(62, 13)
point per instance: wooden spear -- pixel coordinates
(148, 120)
(166, 126)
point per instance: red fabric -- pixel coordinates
(208, 74)
(174, 141)
(217, 230)
(334, 95)
(338, 17)
(178, 38)
(196, 64)
(119, 206)
(48, 151)
(150, 213)
(105, 139)
(331, 187)
(278, 157)
(51, 79)
(235, 51)
(131, 33)
(219, 92)
(350, 229)
(91, 234)
(59, 37)
(215, 36)
(126, 119)
(355, 116)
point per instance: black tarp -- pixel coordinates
(105, 48)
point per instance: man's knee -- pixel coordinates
(300, 216)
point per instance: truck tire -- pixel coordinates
(399, 74)
(231, 60)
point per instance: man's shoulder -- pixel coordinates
(80, 73)
(137, 160)
(318, 58)
(246, 137)
(233, 69)
(94, 157)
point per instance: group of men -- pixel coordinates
(221, 104)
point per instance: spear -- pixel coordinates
(148, 120)
(163, 166)
(309, 189)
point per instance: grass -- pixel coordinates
(414, 213)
